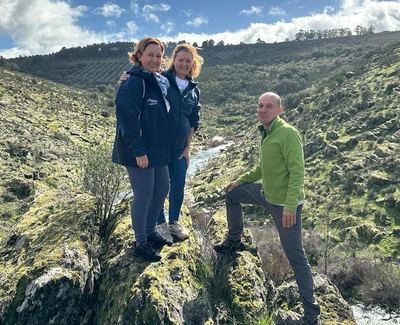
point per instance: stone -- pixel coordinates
(20, 187)
(332, 135)
(327, 294)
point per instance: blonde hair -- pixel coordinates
(141, 47)
(197, 59)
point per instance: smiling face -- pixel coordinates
(268, 108)
(151, 57)
(183, 63)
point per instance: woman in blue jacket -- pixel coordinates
(184, 94)
(142, 141)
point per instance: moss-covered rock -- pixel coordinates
(133, 291)
(239, 278)
(334, 309)
(48, 266)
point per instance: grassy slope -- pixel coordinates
(45, 127)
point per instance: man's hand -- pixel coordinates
(142, 161)
(186, 154)
(231, 186)
(288, 219)
(124, 76)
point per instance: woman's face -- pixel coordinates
(151, 57)
(183, 64)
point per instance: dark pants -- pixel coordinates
(177, 175)
(150, 188)
(290, 237)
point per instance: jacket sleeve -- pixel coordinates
(129, 103)
(294, 160)
(194, 117)
(252, 176)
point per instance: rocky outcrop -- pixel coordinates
(48, 263)
(334, 309)
(172, 291)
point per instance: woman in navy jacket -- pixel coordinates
(184, 94)
(142, 141)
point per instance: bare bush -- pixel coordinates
(106, 181)
(381, 285)
(369, 281)
(274, 262)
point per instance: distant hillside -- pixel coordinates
(102, 63)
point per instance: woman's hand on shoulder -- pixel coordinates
(124, 76)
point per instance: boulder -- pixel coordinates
(315, 144)
(332, 135)
(334, 309)
(240, 278)
(378, 179)
(47, 265)
(172, 291)
(366, 233)
(20, 187)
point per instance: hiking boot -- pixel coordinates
(163, 231)
(157, 241)
(178, 231)
(311, 319)
(228, 246)
(147, 252)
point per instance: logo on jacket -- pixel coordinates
(152, 101)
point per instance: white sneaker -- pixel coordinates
(163, 231)
(178, 231)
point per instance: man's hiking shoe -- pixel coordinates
(147, 252)
(178, 231)
(229, 246)
(157, 241)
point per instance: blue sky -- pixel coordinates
(30, 27)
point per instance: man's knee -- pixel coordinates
(232, 197)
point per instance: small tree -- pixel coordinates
(106, 181)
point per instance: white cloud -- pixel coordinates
(329, 10)
(383, 15)
(152, 17)
(168, 27)
(43, 26)
(110, 23)
(110, 10)
(162, 7)
(131, 27)
(252, 11)
(149, 11)
(197, 22)
(135, 6)
(276, 11)
(188, 13)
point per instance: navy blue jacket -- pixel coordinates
(142, 121)
(187, 116)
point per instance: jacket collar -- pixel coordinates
(276, 122)
(140, 72)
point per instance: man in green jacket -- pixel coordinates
(281, 169)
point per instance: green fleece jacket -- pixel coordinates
(281, 166)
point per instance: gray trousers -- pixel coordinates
(150, 187)
(290, 237)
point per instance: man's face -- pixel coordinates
(268, 109)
